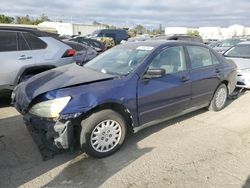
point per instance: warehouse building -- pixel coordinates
(211, 32)
(70, 28)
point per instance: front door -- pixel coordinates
(159, 98)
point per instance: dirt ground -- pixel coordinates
(201, 149)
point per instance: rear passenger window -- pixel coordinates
(215, 59)
(199, 56)
(8, 41)
(80, 48)
(34, 42)
(172, 60)
(22, 44)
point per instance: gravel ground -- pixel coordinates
(201, 149)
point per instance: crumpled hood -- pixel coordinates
(57, 78)
(242, 63)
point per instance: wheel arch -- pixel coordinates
(117, 107)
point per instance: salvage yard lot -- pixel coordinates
(201, 149)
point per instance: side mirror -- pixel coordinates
(154, 73)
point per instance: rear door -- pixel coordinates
(159, 98)
(14, 55)
(204, 75)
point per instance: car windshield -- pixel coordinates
(119, 61)
(229, 43)
(241, 51)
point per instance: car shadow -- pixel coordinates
(247, 183)
(21, 161)
(5, 100)
(91, 172)
(238, 93)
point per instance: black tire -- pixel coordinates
(214, 106)
(91, 123)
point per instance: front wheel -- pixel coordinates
(103, 133)
(219, 99)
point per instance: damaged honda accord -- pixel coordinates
(128, 87)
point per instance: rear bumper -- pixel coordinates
(55, 134)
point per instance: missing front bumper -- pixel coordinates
(54, 134)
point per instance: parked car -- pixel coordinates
(107, 41)
(226, 44)
(214, 44)
(130, 86)
(117, 34)
(240, 54)
(95, 44)
(83, 54)
(180, 37)
(25, 52)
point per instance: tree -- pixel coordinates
(31, 21)
(42, 18)
(96, 23)
(193, 33)
(23, 20)
(140, 29)
(6, 19)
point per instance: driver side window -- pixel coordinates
(171, 59)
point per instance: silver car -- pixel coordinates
(83, 54)
(240, 54)
(25, 52)
(224, 45)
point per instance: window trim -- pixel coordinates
(18, 45)
(212, 54)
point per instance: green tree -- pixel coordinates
(31, 21)
(193, 33)
(23, 20)
(42, 18)
(6, 19)
(140, 29)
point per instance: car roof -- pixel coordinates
(34, 31)
(157, 43)
(75, 43)
(246, 42)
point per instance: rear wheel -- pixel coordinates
(103, 133)
(219, 99)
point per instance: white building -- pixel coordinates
(175, 30)
(211, 32)
(70, 28)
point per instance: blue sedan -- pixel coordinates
(130, 86)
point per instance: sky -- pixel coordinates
(151, 13)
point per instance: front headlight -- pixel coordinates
(51, 108)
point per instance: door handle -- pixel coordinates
(23, 57)
(217, 70)
(185, 78)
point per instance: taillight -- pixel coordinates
(69, 53)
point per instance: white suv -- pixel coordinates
(25, 52)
